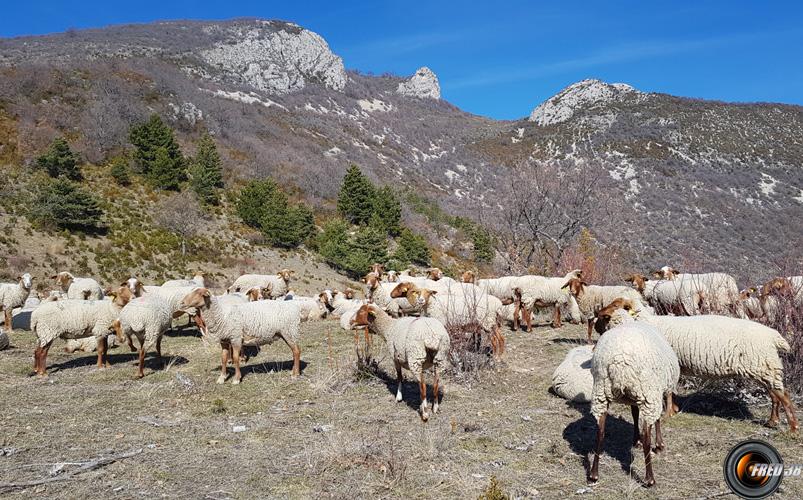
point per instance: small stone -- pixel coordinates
(238, 428)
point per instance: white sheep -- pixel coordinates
(253, 324)
(13, 295)
(198, 280)
(572, 379)
(633, 364)
(88, 344)
(278, 283)
(147, 319)
(665, 295)
(377, 294)
(705, 292)
(392, 276)
(751, 303)
(542, 292)
(78, 288)
(338, 302)
(414, 343)
(310, 308)
(713, 346)
(591, 298)
(74, 318)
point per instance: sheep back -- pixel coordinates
(572, 379)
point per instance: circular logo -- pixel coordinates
(753, 469)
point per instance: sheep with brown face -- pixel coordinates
(592, 297)
(468, 277)
(279, 283)
(414, 343)
(74, 318)
(78, 288)
(377, 294)
(13, 295)
(434, 273)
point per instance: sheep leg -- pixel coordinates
(399, 382)
(528, 317)
(296, 358)
(131, 344)
(8, 321)
(516, 312)
(422, 386)
(36, 355)
(556, 317)
(367, 340)
(788, 408)
(435, 390)
(593, 476)
(590, 328)
(43, 360)
(500, 339)
(671, 407)
(224, 362)
(646, 435)
(636, 435)
(659, 437)
(774, 413)
(102, 352)
(140, 373)
(235, 354)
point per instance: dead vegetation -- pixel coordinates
(329, 433)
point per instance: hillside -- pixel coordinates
(698, 183)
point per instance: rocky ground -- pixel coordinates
(334, 432)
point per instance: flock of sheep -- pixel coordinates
(654, 330)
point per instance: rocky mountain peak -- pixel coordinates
(275, 57)
(585, 93)
(423, 84)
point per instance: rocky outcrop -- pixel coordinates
(586, 93)
(423, 84)
(277, 61)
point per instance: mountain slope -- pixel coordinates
(704, 182)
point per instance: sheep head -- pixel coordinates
(576, 287)
(366, 315)
(468, 277)
(135, 285)
(371, 279)
(377, 268)
(419, 297)
(120, 296)
(637, 280)
(64, 279)
(393, 276)
(253, 294)
(285, 274)
(602, 316)
(401, 290)
(778, 286)
(25, 281)
(434, 273)
(348, 293)
(118, 331)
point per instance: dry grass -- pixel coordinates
(332, 434)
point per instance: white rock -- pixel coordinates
(277, 61)
(423, 84)
(561, 106)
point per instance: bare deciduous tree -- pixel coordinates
(544, 210)
(180, 214)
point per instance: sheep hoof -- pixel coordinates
(221, 379)
(593, 479)
(649, 483)
(424, 414)
(398, 397)
(435, 408)
(772, 424)
(658, 449)
(235, 381)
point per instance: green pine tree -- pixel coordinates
(120, 172)
(333, 242)
(205, 172)
(154, 138)
(387, 211)
(255, 198)
(483, 245)
(368, 245)
(355, 201)
(60, 161)
(65, 205)
(412, 249)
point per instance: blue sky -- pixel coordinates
(502, 58)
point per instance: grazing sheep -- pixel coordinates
(338, 302)
(413, 343)
(705, 291)
(542, 292)
(310, 308)
(88, 344)
(591, 298)
(279, 283)
(712, 346)
(13, 295)
(633, 364)
(198, 280)
(253, 324)
(434, 273)
(147, 319)
(665, 296)
(751, 303)
(377, 269)
(73, 318)
(78, 288)
(572, 379)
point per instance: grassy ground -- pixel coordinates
(331, 434)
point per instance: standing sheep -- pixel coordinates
(377, 294)
(147, 319)
(78, 288)
(253, 324)
(712, 346)
(413, 343)
(13, 295)
(198, 280)
(74, 318)
(591, 298)
(633, 364)
(279, 283)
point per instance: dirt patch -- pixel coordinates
(329, 433)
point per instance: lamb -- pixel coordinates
(78, 288)
(278, 283)
(572, 379)
(591, 298)
(253, 323)
(198, 280)
(13, 295)
(633, 364)
(74, 318)
(413, 343)
(147, 319)
(713, 346)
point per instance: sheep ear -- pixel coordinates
(206, 293)
(584, 283)
(433, 292)
(54, 276)
(566, 285)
